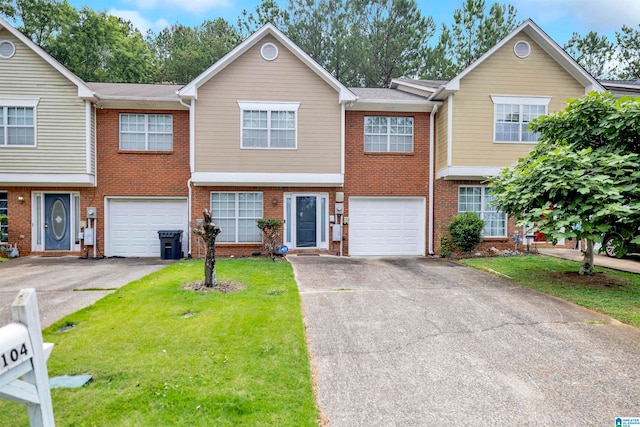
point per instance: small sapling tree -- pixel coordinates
(466, 231)
(270, 228)
(208, 230)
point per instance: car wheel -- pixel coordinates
(610, 245)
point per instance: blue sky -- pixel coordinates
(559, 18)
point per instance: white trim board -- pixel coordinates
(267, 179)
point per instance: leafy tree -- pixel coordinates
(101, 47)
(593, 52)
(209, 231)
(180, 53)
(473, 32)
(583, 177)
(266, 12)
(42, 20)
(629, 52)
(466, 231)
(392, 38)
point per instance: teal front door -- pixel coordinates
(57, 222)
(306, 222)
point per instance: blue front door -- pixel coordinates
(306, 224)
(57, 222)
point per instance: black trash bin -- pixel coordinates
(170, 244)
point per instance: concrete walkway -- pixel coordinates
(426, 342)
(630, 263)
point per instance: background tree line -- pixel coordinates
(361, 42)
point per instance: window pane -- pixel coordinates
(132, 141)
(283, 138)
(20, 136)
(20, 116)
(507, 132)
(4, 204)
(469, 199)
(236, 215)
(132, 122)
(160, 142)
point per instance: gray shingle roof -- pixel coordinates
(135, 91)
(381, 94)
(433, 84)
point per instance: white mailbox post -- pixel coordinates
(23, 355)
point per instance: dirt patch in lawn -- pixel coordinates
(597, 280)
(225, 287)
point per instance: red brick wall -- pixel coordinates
(119, 173)
(446, 207)
(138, 173)
(385, 174)
(201, 199)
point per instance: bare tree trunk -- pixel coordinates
(587, 259)
(208, 230)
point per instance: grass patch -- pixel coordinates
(3, 259)
(240, 359)
(611, 292)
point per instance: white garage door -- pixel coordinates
(133, 225)
(387, 225)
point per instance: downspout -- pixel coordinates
(191, 107)
(431, 173)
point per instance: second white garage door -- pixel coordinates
(133, 225)
(387, 225)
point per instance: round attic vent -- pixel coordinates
(522, 49)
(269, 51)
(7, 49)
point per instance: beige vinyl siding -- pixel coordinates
(60, 115)
(442, 133)
(251, 78)
(504, 74)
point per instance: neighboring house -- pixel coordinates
(482, 120)
(267, 132)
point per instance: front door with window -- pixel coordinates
(57, 222)
(306, 220)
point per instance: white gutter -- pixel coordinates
(431, 174)
(192, 144)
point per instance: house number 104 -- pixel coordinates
(13, 355)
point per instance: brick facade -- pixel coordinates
(385, 174)
(119, 173)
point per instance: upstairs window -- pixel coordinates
(388, 134)
(269, 125)
(18, 122)
(146, 132)
(513, 115)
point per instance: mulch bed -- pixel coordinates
(224, 287)
(597, 280)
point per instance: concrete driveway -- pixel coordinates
(426, 342)
(55, 281)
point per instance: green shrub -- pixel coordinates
(3, 220)
(446, 247)
(466, 231)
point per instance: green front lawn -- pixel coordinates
(240, 359)
(618, 300)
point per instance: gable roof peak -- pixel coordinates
(83, 90)
(190, 90)
(545, 42)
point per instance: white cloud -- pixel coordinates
(188, 5)
(597, 15)
(139, 22)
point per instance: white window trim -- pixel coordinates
(482, 203)
(6, 236)
(269, 107)
(146, 132)
(21, 102)
(518, 100)
(389, 135)
(236, 214)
